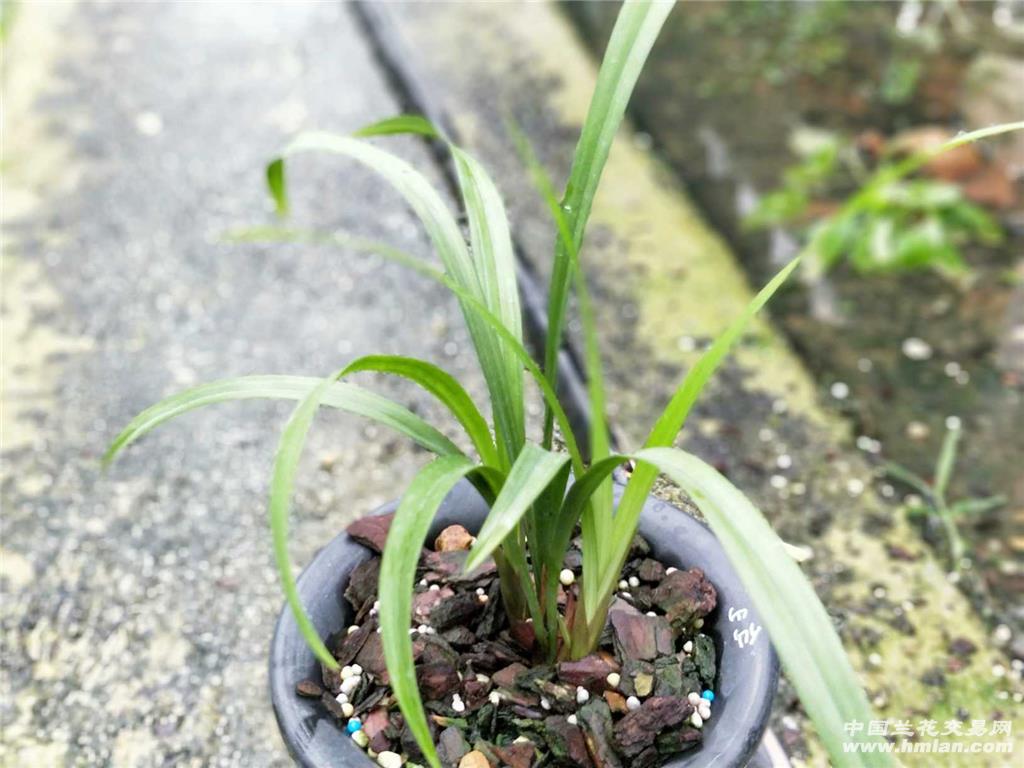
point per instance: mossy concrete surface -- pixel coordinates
(664, 284)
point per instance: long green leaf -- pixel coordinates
(597, 516)
(286, 461)
(495, 261)
(441, 227)
(799, 626)
(636, 28)
(671, 421)
(533, 470)
(397, 576)
(487, 317)
(441, 385)
(347, 397)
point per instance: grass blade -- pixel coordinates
(912, 479)
(474, 305)
(671, 421)
(286, 461)
(397, 576)
(636, 28)
(400, 124)
(977, 506)
(347, 397)
(799, 626)
(533, 470)
(495, 261)
(503, 382)
(441, 385)
(946, 460)
(597, 514)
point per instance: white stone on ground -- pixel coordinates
(632, 703)
(613, 680)
(696, 720)
(582, 695)
(389, 759)
(567, 577)
(360, 738)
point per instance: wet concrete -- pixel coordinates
(138, 606)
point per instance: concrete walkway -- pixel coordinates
(138, 607)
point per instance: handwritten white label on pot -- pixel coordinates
(737, 614)
(747, 635)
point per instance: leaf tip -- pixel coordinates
(276, 185)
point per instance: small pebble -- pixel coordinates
(347, 709)
(354, 724)
(785, 461)
(1002, 634)
(341, 698)
(778, 482)
(623, 585)
(670, 570)
(694, 698)
(698, 623)
(356, 669)
(632, 703)
(480, 591)
(567, 577)
(361, 739)
(350, 684)
(651, 613)
(423, 583)
(627, 595)
(482, 678)
(840, 390)
(582, 695)
(613, 680)
(688, 646)
(696, 720)
(483, 598)
(494, 698)
(457, 704)
(435, 588)
(634, 582)
(388, 759)
(545, 704)
(353, 628)
(916, 349)
(708, 695)
(953, 423)
(704, 711)
(864, 365)
(571, 720)
(346, 672)
(917, 430)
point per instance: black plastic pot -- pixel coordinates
(747, 675)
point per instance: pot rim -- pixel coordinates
(745, 683)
